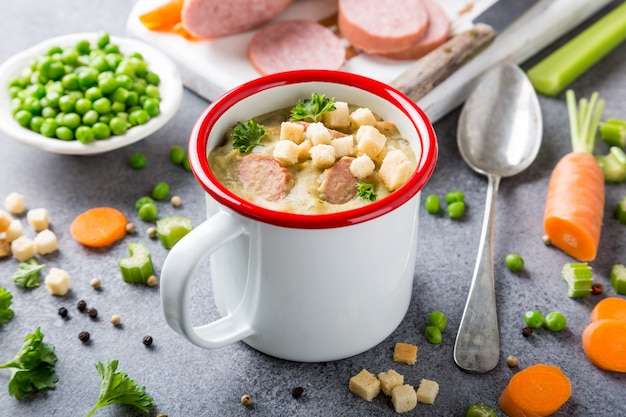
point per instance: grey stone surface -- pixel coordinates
(185, 380)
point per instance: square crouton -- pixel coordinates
(405, 353)
(427, 391)
(38, 219)
(318, 134)
(362, 117)
(5, 221)
(365, 385)
(362, 167)
(344, 146)
(14, 231)
(23, 248)
(15, 203)
(389, 380)
(395, 169)
(57, 281)
(304, 150)
(403, 398)
(291, 131)
(338, 118)
(369, 141)
(286, 152)
(323, 156)
(45, 242)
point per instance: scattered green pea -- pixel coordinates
(160, 191)
(186, 163)
(514, 262)
(433, 334)
(456, 209)
(454, 196)
(555, 321)
(177, 154)
(432, 204)
(438, 319)
(534, 319)
(141, 201)
(148, 212)
(137, 160)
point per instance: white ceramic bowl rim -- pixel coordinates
(170, 88)
(232, 106)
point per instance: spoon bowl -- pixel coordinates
(499, 135)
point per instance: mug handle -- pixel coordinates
(176, 278)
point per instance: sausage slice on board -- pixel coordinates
(382, 26)
(294, 45)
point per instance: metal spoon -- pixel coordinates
(499, 135)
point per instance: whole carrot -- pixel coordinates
(575, 200)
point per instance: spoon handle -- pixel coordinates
(477, 346)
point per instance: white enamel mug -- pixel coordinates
(301, 287)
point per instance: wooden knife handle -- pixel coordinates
(427, 72)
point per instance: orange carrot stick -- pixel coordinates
(99, 227)
(610, 308)
(164, 17)
(575, 206)
(604, 343)
(538, 391)
(575, 200)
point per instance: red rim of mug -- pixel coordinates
(200, 167)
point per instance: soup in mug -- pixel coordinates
(319, 156)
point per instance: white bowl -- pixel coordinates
(171, 89)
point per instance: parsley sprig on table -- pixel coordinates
(311, 109)
(247, 136)
(32, 369)
(118, 388)
(27, 274)
(6, 314)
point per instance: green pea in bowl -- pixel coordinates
(142, 88)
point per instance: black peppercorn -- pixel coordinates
(81, 305)
(83, 336)
(92, 312)
(527, 332)
(297, 392)
(63, 312)
(147, 340)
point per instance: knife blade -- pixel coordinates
(448, 81)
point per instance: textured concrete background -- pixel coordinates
(185, 380)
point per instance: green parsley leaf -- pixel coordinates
(247, 136)
(118, 388)
(312, 108)
(32, 369)
(27, 274)
(366, 191)
(6, 314)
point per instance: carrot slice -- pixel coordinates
(610, 308)
(99, 227)
(604, 343)
(539, 390)
(164, 17)
(575, 206)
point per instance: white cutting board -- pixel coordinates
(212, 67)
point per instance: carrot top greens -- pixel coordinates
(584, 119)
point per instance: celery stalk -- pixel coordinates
(171, 229)
(138, 267)
(613, 132)
(618, 278)
(620, 211)
(579, 279)
(555, 72)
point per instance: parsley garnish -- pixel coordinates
(27, 274)
(312, 108)
(366, 191)
(32, 369)
(118, 388)
(6, 314)
(247, 136)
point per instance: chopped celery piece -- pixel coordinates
(171, 229)
(613, 165)
(138, 267)
(618, 278)
(613, 132)
(620, 211)
(579, 279)
(555, 72)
